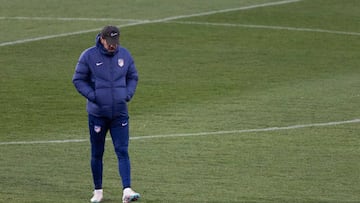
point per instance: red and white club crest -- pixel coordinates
(97, 128)
(121, 62)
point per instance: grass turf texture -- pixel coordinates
(195, 78)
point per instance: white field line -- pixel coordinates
(267, 27)
(161, 20)
(62, 35)
(228, 10)
(65, 19)
(194, 134)
(141, 22)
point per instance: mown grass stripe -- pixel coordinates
(267, 27)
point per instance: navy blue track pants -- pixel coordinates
(119, 131)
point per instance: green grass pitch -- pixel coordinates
(225, 87)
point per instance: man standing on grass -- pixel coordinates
(106, 76)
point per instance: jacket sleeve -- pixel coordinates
(82, 79)
(131, 80)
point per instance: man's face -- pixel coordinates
(109, 47)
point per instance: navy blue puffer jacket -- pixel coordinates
(107, 80)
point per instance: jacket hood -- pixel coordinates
(102, 48)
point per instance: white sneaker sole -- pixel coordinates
(132, 198)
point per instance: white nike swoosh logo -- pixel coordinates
(124, 124)
(99, 64)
